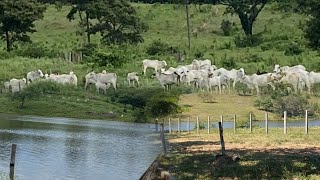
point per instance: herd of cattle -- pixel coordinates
(200, 74)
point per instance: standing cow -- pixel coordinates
(155, 64)
(34, 75)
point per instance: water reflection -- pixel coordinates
(55, 148)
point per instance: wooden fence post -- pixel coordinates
(163, 140)
(179, 130)
(170, 131)
(221, 139)
(285, 122)
(266, 126)
(189, 124)
(156, 125)
(198, 124)
(234, 123)
(250, 121)
(221, 120)
(306, 123)
(208, 124)
(12, 160)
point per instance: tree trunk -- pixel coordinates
(246, 24)
(88, 28)
(8, 41)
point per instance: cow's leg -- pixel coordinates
(138, 83)
(144, 70)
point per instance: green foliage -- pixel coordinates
(36, 50)
(264, 103)
(158, 47)
(17, 18)
(35, 90)
(313, 31)
(227, 27)
(293, 49)
(247, 41)
(228, 62)
(198, 54)
(201, 125)
(242, 88)
(115, 20)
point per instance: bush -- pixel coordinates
(35, 90)
(264, 103)
(206, 97)
(294, 105)
(201, 126)
(247, 41)
(242, 88)
(293, 49)
(36, 50)
(228, 62)
(227, 27)
(198, 54)
(160, 48)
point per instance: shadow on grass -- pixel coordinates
(302, 163)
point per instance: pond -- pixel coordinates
(62, 148)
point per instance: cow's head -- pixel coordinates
(40, 73)
(276, 68)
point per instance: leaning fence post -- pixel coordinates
(234, 123)
(179, 130)
(306, 123)
(189, 124)
(163, 140)
(285, 122)
(170, 125)
(208, 124)
(156, 125)
(13, 159)
(250, 121)
(221, 139)
(266, 126)
(198, 124)
(221, 120)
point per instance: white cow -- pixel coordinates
(102, 86)
(93, 78)
(70, 78)
(219, 81)
(198, 63)
(133, 77)
(166, 80)
(6, 87)
(278, 69)
(155, 64)
(17, 84)
(34, 75)
(314, 77)
(233, 75)
(256, 81)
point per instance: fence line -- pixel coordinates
(200, 125)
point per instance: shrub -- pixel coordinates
(293, 49)
(201, 125)
(198, 54)
(206, 97)
(294, 105)
(247, 41)
(160, 48)
(36, 50)
(227, 27)
(264, 103)
(242, 88)
(228, 62)
(35, 90)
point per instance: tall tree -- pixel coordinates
(17, 18)
(313, 26)
(116, 20)
(247, 11)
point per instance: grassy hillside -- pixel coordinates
(277, 32)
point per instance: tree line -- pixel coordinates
(117, 21)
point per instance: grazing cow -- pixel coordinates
(102, 86)
(34, 75)
(93, 78)
(219, 81)
(166, 80)
(155, 64)
(278, 69)
(233, 75)
(314, 77)
(304, 80)
(133, 77)
(17, 84)
(255, 81)
(198, 63)
(70, 78)
(6, 87)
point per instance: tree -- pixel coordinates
(247, 11)
(116, 20)
(16, 20)
(313, 31)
